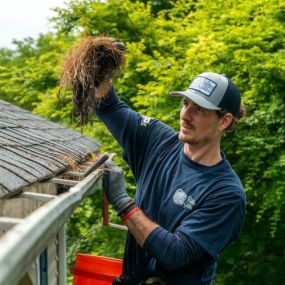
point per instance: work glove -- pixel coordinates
(119, 45)
(114, 186)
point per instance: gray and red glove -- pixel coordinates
(114, 188)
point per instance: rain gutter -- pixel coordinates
(23, 243)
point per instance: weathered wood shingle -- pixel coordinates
(33, 148)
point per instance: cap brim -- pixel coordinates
(196, 98)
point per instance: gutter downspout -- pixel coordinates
(62, 256)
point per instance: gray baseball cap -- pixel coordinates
(213, 91)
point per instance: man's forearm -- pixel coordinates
(172, 250)
(140, 226)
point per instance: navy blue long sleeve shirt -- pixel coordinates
(200, 209)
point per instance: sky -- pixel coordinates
(25, 18)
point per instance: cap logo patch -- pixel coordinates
(203, 85)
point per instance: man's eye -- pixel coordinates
(199, 109)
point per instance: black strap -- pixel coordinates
(121, 280)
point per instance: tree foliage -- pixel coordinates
(169, 43)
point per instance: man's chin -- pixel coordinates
(186, 138)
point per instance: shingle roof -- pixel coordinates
(33, 148)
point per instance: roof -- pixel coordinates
(33, 148)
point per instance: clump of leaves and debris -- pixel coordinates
(88, 69)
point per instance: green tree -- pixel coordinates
(166, 47)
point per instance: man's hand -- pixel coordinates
(114, 186)
(137, 222)
(103, 89)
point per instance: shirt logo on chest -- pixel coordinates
(182, 199)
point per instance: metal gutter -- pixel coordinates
(21, 245)
(93, 166)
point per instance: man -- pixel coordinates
(189, 203)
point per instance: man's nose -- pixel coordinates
(186, 112)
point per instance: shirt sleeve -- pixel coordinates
(173, 250)
(132, 130)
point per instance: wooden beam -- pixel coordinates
(66, 182)
(6, 223)
(36, 196)
(116, 226)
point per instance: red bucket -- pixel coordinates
(95, 270)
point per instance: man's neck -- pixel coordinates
(207, 155)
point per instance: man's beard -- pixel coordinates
(184, 138)
(192, 140)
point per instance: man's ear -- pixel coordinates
(225, 121)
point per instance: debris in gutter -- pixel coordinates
(88, 69)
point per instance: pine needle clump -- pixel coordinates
(88, 69)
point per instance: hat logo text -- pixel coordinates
(203, 85)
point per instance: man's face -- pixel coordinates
(198, 126)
